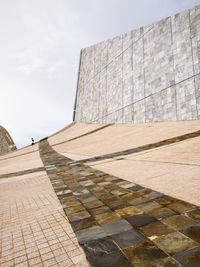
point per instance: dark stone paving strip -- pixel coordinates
(13, 174)
(119, 223)
(142, 148)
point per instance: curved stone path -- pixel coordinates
(119, 223)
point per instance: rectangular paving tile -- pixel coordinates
(189, 258)
(144, 254)
(74, 209)
(106, 217)
(91, 233)
(174, 243)
(192, 231)
(155, 229)
(140, 220)
(162, 213)
(93, 204)
(128, 211)
(181, 207)
(78, 215)
(194, 214)
(128, 238)
(178, 222)
(83, 223)
(149, 206)
(117, 226)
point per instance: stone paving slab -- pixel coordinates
(150, 220)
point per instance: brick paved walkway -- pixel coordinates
(34, 230)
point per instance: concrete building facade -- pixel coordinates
(149, 74)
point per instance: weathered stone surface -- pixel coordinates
(146, 75)
(6, 142)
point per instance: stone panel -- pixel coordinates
(139, 111)
(158, 59)
(114, 85)
(182, 49)
(161, 106)
(128, 114)
(197, 88)
(195, 37)
(186, 100)
(103, 95)
(138, 70)
(127, 77)
(150, 72)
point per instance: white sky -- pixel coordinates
(40, 42)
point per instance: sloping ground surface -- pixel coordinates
(135, 208)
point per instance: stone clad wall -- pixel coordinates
(6, 142)
(149, 74)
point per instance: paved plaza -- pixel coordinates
(89, 196)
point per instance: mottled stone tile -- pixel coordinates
(116, 227)
(154, 195)
(128, 238)
(149, 206)
(106, 217)
(193, 232)
(78, 215)
(165, 200)
(178, 221)
(128, 211)
(155, 229)
(189, 258)
(181, 207)
(89, 199)
(91, 233)
(74, 209)
(137, 201)
(93, 204)
(99, 248)
(140, 220)
(83, 223)
(161, 213)
(145, 254)
(99, 210)
(115, 205)
(174, 243)
(194, 214)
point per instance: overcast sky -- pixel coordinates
(40, 42)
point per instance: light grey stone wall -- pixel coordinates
(146, 75)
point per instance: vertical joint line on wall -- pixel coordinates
(106, 89)
(144, 79)
(173, 68)
(122, 73)
(77, 88)
(132, 88)
(193, 66)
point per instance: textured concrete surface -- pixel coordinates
(146, 75)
